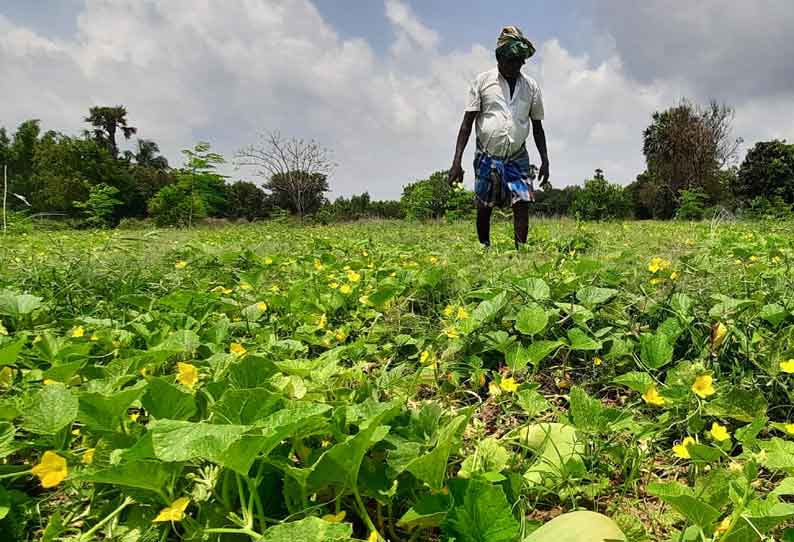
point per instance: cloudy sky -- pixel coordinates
(383, 82)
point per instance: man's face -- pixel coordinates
(510, 68)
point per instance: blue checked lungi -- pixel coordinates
(502, 181)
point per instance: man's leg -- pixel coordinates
(520, 222)
(484, 224)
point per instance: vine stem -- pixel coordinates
(90, 532)
(364, 514)
(15, 474)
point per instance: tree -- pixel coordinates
(99, 205)
(199, 179)
(601, 200)
(768, 171)
(106, 121)
(21, 154)
(427, 198)
(246, 200)
(147, 155)
(295, 171)
(176, 205)
(686, 146)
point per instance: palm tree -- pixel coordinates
(106, 120)
(147, 155)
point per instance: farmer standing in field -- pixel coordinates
(503, 102)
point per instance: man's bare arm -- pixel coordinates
(456, 171)
(539, 135)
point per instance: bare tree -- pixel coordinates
(294, 169)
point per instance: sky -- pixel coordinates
(382, 83)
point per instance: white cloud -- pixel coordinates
(221, 72)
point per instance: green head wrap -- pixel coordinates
(513, 44)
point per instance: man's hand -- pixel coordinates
(455, 174)
(543, 175)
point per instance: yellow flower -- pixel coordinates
(652, 397)
(322, 321)
(681, 450)
(49, 381)
(188, 374)
(364, 300)
(6, 377)
(181, 264)
(51, 470)
(334, 518)
(655, 281)
(373, 537)
(318, 265)
(37, 339)
(673, 275)
(245, 286)
(78, 332)
(262, 306)
(789, 428)
(719, 432)
(718, 332)
(345, 289)
(723, 526)
(88, 456)
(237, 349)
(597, 361)
(175, 512)
(325, 443)
(76, 431)
(424, 356)
(134, 416)
(703, 386)
(275, 288)
(333, 285)
(94, 337)
(449, 310)
(268, 260)
(494, 390)
(658, 264)
(753, 258)
(393, 274)
(787, 366)
(352, 276)
(462, 314)
(340, 335)
(452, 333)
(509, 385)
(433, 259)
(364, 253)
(3, 330)
(222, 290)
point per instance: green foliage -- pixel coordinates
(426, 198)
(691, 204)
(100, 205)
(601, 200)
(174, 205)
(246, 200)
(768, 172)
(582, 526)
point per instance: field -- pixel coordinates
(393, 381)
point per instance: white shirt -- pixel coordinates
(503, 123)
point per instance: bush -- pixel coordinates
(100, 205)
(601, 200)
(460, 204)
(427, 198)
(692, 205)
(174, 206)
(762, 208)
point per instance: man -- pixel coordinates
(504, 102)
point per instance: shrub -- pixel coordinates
(100, 205)
(601, 200)
(173, 205)
(692, 205)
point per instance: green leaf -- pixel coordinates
(150, 475)
(7, 433)
(590, 296)
(489, 456)
(747, 434)
(49, 410)
(309, 529)
(727, 306)
(759, 517)
(54, 528)
(779, 455)
(5, 503)
(428, 512)
(535, 288)
(183, 340)
(774, 313)
(581, 341)
(681, 499)
(635, 380)
(176, 440)
(582, 526)
(245, 406)
(656, 350)
(10, 351)
(538, 350)
(531, 320)
(586, 412)
(488, 310)
(532, 402)
(163, 400)
(16, 305)
(431, 467)
(105, 412)
(340, 463)
(557, 449)
(483, 516)
(786, 487)
(738, 404)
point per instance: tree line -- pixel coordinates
(690, 155)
